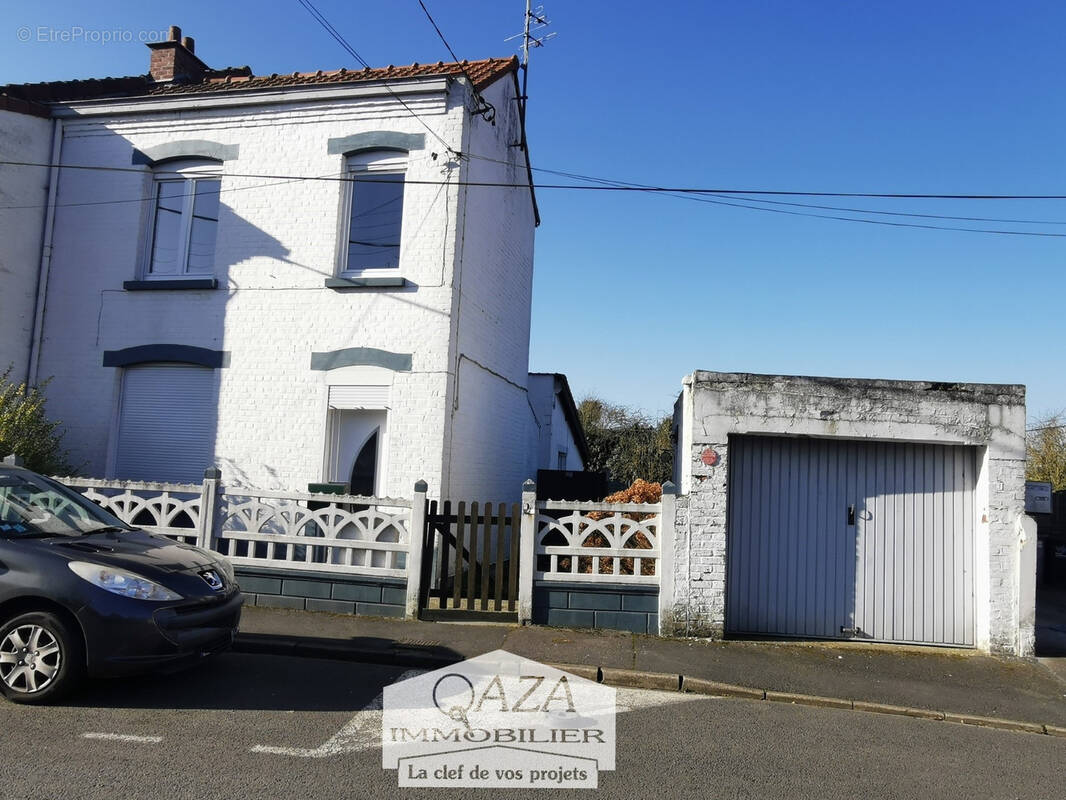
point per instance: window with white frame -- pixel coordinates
(374, 217)
(184, 220)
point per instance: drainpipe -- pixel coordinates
(457, 287)
(46, 254)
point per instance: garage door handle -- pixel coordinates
(851, 515)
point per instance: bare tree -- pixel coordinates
(1045, 450)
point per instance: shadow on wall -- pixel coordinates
(167, 333)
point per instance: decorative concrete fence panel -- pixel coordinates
(324, 552)
(326, 533)
(167, 509)
(597, 542)
(599, 565)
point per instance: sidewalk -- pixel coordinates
(941, 680)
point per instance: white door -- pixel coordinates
(357, 446)
(845, 539)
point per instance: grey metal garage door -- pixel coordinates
(842, 538)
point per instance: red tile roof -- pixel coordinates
(239, 79)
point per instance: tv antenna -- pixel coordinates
(536, 22)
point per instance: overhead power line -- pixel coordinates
(485, 108)
(703, 195)
(325, 23)
(602, 185)
(908, 214)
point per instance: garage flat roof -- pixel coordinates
(972, 392)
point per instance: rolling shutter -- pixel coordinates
(167, 423)
(356, 398)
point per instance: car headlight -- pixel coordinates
(121, 582)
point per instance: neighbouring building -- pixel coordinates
(841, 508)
(561, 441)
(319, 276)
(25, 143)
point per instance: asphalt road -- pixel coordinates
(247, 726)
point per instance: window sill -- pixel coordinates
(366, 283)
(178, 283)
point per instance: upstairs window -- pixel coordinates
(375, 212)
(184, 220)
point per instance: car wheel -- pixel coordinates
(40, 658)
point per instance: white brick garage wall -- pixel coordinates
(714, 406)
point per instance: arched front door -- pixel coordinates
(356, 450)
(365, 467)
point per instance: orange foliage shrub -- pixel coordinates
(641, 491)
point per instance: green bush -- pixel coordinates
(26, 431)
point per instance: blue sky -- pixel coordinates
(632, 292)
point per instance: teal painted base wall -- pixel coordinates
(339, 594)
(605, 605)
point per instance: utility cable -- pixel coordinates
(325, 23)
(703, 195)
(487, 109)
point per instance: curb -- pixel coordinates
(400, 655)
(418, 657)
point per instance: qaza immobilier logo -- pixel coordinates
(498, 720)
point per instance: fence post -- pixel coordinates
(526, 559)
(416, 538)
(665, 569)
(205, 534)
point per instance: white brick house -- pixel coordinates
(25, 137)
(370, 325)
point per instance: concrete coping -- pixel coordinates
(969, 392)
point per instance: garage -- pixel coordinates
(851, 539)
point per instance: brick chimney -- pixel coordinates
(174, 61)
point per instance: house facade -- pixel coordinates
(306, 278)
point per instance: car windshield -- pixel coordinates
(34, 506)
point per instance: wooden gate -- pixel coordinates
(470, 561)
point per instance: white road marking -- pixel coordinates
(637, 699)
(123, 737)
(362, 732)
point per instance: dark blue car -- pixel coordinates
(82, 593)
